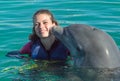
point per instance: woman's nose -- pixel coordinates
(41, 25)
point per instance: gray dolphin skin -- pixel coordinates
(89, 46)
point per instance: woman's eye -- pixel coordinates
(45, 22)
(37, 24)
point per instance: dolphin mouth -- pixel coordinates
(57, 31)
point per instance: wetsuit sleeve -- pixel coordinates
(26, 49)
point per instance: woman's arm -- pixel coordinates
(26, 49)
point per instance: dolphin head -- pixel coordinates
(67, 39)
(58, 31)
(89, 46)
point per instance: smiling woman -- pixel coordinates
(43, 44)
(43, 21)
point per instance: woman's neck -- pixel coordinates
(48, 41)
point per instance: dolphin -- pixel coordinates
(89, 46)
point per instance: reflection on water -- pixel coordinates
(33, 70)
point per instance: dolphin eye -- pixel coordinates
(81, 52)
(79, 47)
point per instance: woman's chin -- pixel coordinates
(44, 36)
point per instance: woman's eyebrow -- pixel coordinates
(45, 20)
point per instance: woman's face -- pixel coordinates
(43, 24)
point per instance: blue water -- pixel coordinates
(16, 25)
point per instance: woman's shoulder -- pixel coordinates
(29, 43)
(26, 48)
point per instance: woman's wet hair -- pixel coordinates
(33, 37)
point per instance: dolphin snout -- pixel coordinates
(57, 31)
